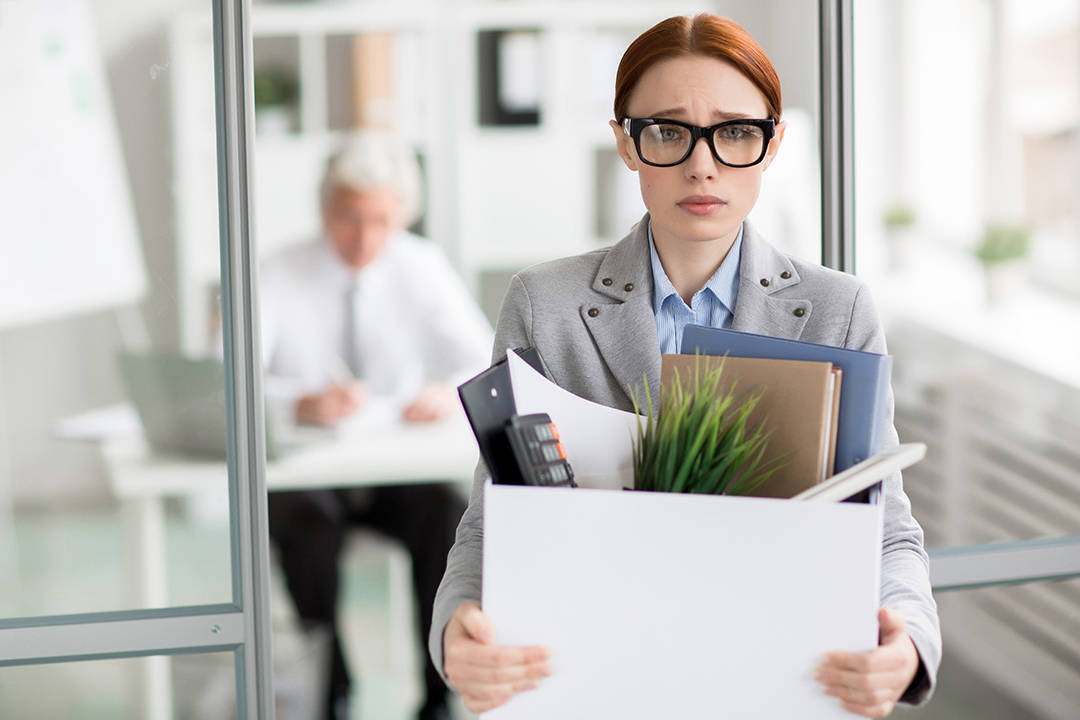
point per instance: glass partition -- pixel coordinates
(967, 168)
(204, 689)
(966, 183)
(1010, 652)
(113, 428)
(130, 448)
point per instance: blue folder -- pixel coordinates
(863, 390)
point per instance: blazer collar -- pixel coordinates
(763, 272)
(624, 329)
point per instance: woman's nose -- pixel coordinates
(701, 165)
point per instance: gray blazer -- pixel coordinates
(591, 319)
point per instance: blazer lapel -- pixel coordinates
(764, 271)
(624, 326)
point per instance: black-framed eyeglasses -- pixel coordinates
(736, 143)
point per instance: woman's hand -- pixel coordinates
(487, 675)
(871, 683)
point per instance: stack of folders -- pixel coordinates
(799, 405)
(858, 418)
(864, 414)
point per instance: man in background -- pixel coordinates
(366, 318)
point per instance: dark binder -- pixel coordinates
(488, 400)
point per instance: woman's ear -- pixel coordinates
(774, 144)
(624, 145)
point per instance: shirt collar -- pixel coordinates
(724, 283)
(340, 273)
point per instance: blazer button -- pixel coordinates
(593, 312)
(606, 282)
(628, 287)
(785, 275)
(799, 312)
(764, 282)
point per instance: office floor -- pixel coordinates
(76, 560)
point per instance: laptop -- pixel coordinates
(180, 401)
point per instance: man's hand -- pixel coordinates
(487, 675)
(871, 683)
(434, 402)
(331, 405)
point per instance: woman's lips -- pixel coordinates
(701, 204)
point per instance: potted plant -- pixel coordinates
(899, 222)
(1003, 250)
(277, 94)
(702, 439)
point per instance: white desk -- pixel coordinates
(367, 454)
(364, 455)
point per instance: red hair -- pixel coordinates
(706, 35)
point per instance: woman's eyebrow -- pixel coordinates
(724, 115)
(721, 114)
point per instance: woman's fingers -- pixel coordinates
(880, 710)
(504, 674)
(488, 675)
(870, 683)
(494, 656)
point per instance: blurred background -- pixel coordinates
(967, 185)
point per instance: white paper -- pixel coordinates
(598, 439)
(677, 606)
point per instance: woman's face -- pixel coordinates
(700, 199)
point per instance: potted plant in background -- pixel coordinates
(899, 222)
(277, 95)
(702, 440)
(1003, 251)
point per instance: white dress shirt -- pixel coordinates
(416, 322)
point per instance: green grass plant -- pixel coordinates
(701, 440)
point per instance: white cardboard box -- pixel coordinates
(659, 605)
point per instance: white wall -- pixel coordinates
(57, 368)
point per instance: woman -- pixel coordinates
(697, 116)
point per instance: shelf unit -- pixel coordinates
(497, 198)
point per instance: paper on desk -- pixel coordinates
(659, 605)
(598, 439)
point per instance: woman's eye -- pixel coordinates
(669, 134)
(738, 132)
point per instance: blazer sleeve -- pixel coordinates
(464, 565)
(905, 566)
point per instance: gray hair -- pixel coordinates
(375, 160)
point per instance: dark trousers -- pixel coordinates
(309, 527)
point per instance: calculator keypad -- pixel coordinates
(540, 454)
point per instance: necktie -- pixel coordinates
(352, 346)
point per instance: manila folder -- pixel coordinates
(797, 405)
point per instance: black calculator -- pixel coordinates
(540, 456)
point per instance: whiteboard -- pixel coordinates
(68, 240)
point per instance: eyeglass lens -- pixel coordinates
(668, 144)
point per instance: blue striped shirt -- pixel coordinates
(712, 305)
